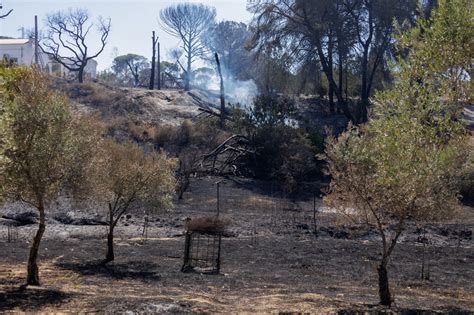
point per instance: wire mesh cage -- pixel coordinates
(12, 233)
(202, 253)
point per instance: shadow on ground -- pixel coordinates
(142, 271)
(371, 309)
(31, 299)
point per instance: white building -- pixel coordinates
(21, 51)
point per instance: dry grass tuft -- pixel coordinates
(208, 225)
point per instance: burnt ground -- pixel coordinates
(272, 262)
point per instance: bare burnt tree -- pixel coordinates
(154, 42)
(222, 91)
(5, 15)
(65, 40)
(188, 22)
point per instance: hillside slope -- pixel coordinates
(164, 107)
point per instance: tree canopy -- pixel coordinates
(44, 148)
(404, 164)
(131, 69)
(188, 22)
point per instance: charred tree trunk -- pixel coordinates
(222, 92)
(362, 110)
(341, 72)
(33, 274)
(110, 256)
(328, 71)
(364, 93)
(332, 87)
(80, 75)
(332, 107)
(347, 82)
(136, 77)
(153, 61)
(110, 246)
(384, 289)
(187, 81)
(158, 65)
(364, 72)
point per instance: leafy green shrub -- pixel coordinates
(284, 152)
(44, 148)
(404, 164)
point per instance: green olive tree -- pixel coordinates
(43, 148)
(404, 163)
(131, 177)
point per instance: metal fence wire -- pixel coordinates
(202, 253)
(12, 233)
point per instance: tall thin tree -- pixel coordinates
(154, 41)
(222, 92)
(188, 22)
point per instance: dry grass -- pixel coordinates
(208, 225)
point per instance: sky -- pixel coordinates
(132, 21)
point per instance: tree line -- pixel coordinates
(340, 50)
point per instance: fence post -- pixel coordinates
(187, 246)
(218, 197)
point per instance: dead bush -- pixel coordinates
(188, 160)
(124, 129)
(203, 136)
(164, 136)
(208, 226)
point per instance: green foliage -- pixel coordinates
(405, 163)
(43, 146)
(268, 111)
(285, 152)
(107, 76)
(171, 68)
(131, 69)
(128, 176)
(405, 160)
(467, 178)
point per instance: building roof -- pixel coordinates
(14, 41)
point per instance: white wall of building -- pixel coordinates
(22, 51)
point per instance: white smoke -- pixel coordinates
(236, 91)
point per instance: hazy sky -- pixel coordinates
(132, 21)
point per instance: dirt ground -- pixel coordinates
(272, 262)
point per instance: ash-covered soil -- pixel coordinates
(163, 107)
(272, 262)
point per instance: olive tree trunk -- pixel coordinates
(80, 75)
(32, 269)
(384, 289)
(110, 246)
(110, 256)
